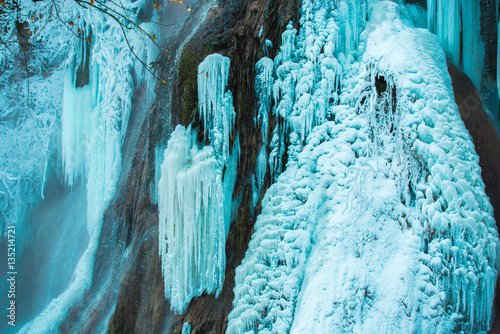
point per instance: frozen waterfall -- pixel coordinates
(380, 212)
(95, 113)
(195, 193)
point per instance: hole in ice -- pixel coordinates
(380, 84)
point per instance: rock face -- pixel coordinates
(127, 294)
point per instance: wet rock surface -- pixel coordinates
(127, 294)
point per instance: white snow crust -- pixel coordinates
(379, 223)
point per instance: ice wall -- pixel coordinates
(379, 223)
(94, 122)
(195, 193)
(454, 21)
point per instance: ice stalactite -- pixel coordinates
(456, 21)
(195, 193)
(215, 104)
(192, 229)
(186, 328)
(379, 223)
(96, 108)
(94, 122)
(301, 101)
(473, 45)
(77, 121)
(444, 19)
(263, 88)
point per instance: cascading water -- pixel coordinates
(58, 226)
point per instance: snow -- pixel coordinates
(195, 193)
(379, 222)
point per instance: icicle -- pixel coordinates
(191, 215)
(186, 328)
(444, 19)
(473, 46)
(263, 89)
(447, 18)
(78, 123)
(195, 193)
(215, 105)
(268, 45)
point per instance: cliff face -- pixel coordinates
(127, 294)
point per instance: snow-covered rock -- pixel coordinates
(379, 223)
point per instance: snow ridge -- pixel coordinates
(379, 222)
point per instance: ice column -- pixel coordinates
(263, 89)
(77, 123)
(195, 193)
(192, 233)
